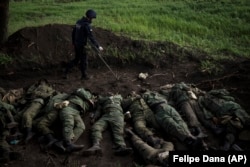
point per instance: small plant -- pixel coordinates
(5, 59)
(212, 68)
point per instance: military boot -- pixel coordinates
(162, 158)
(129, 132)
(59, 145)
(218, 130)
(193, 143)
(229, 139)
(123, 150)
(51, 140)
(199, 133)
(29, 135)
(95, 149)
(154, 141)
(70, 147)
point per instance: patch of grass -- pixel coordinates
(211, 67)
(212, 26)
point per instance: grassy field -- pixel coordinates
(215, 26)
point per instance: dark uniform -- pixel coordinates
(80, 35)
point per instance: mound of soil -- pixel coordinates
(41, 52)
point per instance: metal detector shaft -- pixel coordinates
(99, 55)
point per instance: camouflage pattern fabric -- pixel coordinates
(142, 117)
(168, 118)
(179, 93)
(148, 153)
(171, 122)
(13, 95)
(37, 94)
(115, 120)
(30, 113)
(5, 106)
(44, 123)
(220, 104)
(4, 146)
(40, 90)
(112, 116)
(73, 125)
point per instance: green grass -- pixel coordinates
(214, 26)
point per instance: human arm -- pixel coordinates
(92, 38)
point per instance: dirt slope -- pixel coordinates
(41, 52)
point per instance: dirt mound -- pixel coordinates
(50, 45)
(41, 52)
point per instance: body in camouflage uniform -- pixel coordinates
(51, 113)
(151, 155)
(5, 153)
(169, 119)
(143, 119)
(37, 94)
(181, 95)
(218, 108)
(80, 101)
(109, 113)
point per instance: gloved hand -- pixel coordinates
(100, 48)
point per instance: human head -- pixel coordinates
(91, 14)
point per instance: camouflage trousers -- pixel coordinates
(171, 122)
(30, 113)
(45, 122)
(141, 119)
(113, 119)
(148, 153)
(73, 125)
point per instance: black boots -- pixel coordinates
(70, 147)
(51, 140)
(29, 134)
(154, 141)
(95, 149)
(59, 146)
(123, 150)
(194, 143)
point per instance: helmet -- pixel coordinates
(91, 13)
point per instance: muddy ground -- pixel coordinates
(41, 52)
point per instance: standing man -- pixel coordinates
(80, 34)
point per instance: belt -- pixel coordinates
(75, 106)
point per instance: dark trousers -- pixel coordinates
(80, 56)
